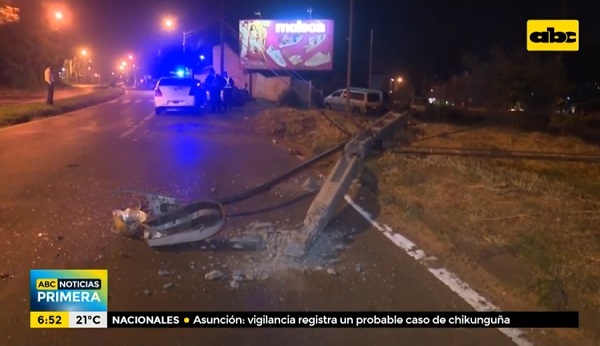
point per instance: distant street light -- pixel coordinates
(84, 52)
(58, 15)
(399, 79)
(130, 57)
(169, 23)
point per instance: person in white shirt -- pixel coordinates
(49, 79)
(228, 91)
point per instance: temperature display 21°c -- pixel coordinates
(88, 320)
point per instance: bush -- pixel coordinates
(289, 98)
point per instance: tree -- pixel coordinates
(535, 81)
(27, 46)
(8, 13)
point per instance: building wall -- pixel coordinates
(260, 86)
(269, 88)
(232, 64)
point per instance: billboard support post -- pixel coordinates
(309, 94)
(371, 61)
(222, 38)
(349, 71)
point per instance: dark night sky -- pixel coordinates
(412, 37)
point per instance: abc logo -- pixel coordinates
(552, 35)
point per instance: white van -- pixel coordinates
(363, 101)
(419, 104)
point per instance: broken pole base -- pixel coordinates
(324, 206)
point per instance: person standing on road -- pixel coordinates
(49, 79)
(213, 90)
(228, 91)
(220, 83)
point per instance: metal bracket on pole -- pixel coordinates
(338, 182)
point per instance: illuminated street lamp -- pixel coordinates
(169, 23)
(83, 52)
(399, 80)
(58, 15)
(130, 57)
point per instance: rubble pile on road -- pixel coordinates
(270, 240)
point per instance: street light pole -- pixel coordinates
(349, 71)
(371, 61)
(222, 38)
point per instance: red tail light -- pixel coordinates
(157, 92)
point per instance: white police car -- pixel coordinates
(177, 93)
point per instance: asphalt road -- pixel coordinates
(57, 177)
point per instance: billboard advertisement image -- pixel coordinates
(279, 44)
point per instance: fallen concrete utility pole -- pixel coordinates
(338, 182)
(164, 221)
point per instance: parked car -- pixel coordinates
(172, 93)
(362, 100)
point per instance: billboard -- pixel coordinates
(279, 44)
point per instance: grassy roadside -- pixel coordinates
(12, 114)
(530, 226)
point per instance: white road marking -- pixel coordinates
(113, 101)
(126, 101)
(461, 288)
(136, 126)
(138, 101)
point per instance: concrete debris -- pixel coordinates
(359, 268)
(331, 271)
(247, 242)
(147, 292)
(311, 184)
(339, 247)
(192, 265)
(256, 226)
(237, 276)
(214, 275)
(168, 285)
(164, 272)
(234, 284)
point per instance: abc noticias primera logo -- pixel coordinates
(553, 35)
(68, 290)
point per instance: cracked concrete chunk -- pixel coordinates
(214, 275)
(311, 184)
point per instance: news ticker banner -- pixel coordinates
(79, 299)
(306, 319)
(74, 298)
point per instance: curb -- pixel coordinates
(51, 113)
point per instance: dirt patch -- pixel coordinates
(524, 232)
(306, 132)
